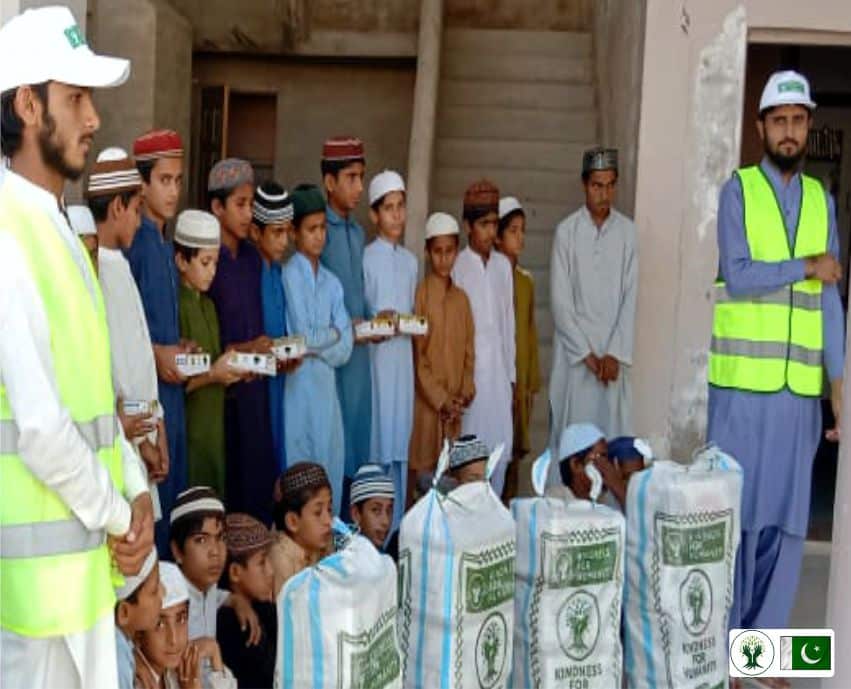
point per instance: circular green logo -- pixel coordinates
(752, 652)
(578, 625)
(491, 650)
(696, 602)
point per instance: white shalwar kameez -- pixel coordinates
(490, 288)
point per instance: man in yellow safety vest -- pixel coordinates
(75, 513)
(778, 322)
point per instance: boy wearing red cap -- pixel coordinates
(159, 159)
(343, 167)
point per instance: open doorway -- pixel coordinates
(829, 160)
(234, 124)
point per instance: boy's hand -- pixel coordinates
(262, 345)
(593, 364)
(137, 425)
(609, 369)
(166, 366)
(162, 446)
(150, 455)
(209, 648)
(144, 678)
(246, 617)
(130, 550)
(189, 670)
(289, 365)
(223, 373)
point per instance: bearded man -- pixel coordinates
(73, 499)
(778, 321)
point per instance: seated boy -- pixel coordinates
(198, 548)
(468, 460)
(581, 444)
(627, 456)
(303, 518)
(249, 573)
(372, 498)
(137, 610)
(166, 659)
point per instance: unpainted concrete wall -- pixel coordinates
(318, 100)
(618, 53)
(158, 42)
(691, 113)
(554, 15)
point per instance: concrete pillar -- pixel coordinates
(839, 583)
(423, 123)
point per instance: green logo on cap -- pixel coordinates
(75, 36)
(786, 86)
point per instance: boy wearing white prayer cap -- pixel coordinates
(444, 358)
(390, 279)
(72, 488)
(81, 221)
(140, 600)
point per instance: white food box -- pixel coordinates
(413, 325)
(139, 407)
(262, 364)
(287, 348)
(192, 364)
(377, 327)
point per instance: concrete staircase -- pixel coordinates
(518, 107)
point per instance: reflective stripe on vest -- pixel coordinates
(60, 537)
(56, 577)
(766, 342)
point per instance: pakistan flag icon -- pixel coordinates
(805, 653)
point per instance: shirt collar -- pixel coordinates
(32, 192)
(586, 214)
(382, 242)
(331, 216)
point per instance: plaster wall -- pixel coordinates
(316, 100)
(618, 53)
(692, 99)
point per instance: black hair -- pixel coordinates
(11, 126)
(99, 205)
(221, 195)
(186, 527)
(287, 501)
(241, 559)
(335, 167)
(187, 252)
(473, 213)
(586, 174)
(430, 240)
(145, 168)
(506, 221)
(564, 465)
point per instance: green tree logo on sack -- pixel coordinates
(491, 650)
(578, 625)
(696, 601)
(378, 665)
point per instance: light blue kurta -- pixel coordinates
(390, 281)
(313, 419)
(343, 256)
(773, 436)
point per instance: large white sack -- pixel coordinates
(337, 623)
(682, 537)
(569, 574)
(456, 569)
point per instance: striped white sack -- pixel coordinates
(681, 542)
(337, 623)
(569, 574)
(456, 566)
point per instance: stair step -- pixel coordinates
(517, 42)
(464, 64)
(518, 124)
(539, 216)
(538, 95)
(529, 186)
(537, 155)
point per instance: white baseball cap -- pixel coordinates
(441, 224)
(46, 44)
(383, 183)
(786, 88)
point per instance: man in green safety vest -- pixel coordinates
(778, 323)
(75, 514)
